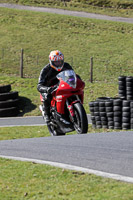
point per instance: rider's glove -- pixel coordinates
(50, 90)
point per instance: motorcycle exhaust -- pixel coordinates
(41, 109)
(53, 124)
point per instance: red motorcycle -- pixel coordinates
(67, 112)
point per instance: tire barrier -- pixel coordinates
(5, 88)
(9, 102)
(125, 87)
(114, 113)
(8, 95)
(122, 87)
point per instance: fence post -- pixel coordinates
(91, 69)
(2, 57)
(37, 60)
(21, 63)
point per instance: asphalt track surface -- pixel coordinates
(67, 12)
(22, 121)
(25, 121)
(104, 154)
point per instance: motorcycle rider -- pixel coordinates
(48, 78)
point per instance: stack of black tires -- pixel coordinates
(126, 87)
(9, 102)
(114, 113)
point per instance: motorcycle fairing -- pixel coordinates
(64, 92)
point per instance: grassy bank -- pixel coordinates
(22, 180)
(111, 7)
(109, 43)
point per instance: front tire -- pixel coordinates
(80, 119)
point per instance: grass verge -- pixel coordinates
(23, 180)
(20, 132)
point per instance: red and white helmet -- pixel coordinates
(56, 60)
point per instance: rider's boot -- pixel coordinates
(47, 118)
(46, 114)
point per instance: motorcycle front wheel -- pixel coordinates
(80, 119)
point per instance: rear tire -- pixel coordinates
(80, 119)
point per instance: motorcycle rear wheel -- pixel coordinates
(80, 119)
(53, 130)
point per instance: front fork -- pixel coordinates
(70, 107)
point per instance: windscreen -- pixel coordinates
(69, 77)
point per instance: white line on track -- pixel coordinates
(75, 168)
(22, 125)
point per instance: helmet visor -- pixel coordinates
(58, 64)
